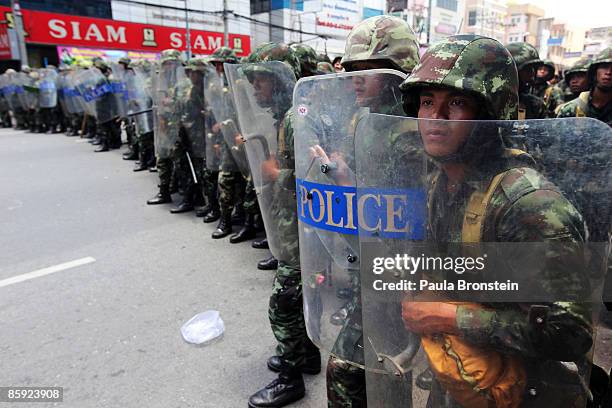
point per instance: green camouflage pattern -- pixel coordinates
(196, 64)
(231, 190)
(223, 54)
(325, 68)
(382, 38)
(170, 55)
(276, 52)
(578, 108)
(323, 58)
(307, 56)
(551, 65)
(582, 65)
(470, 63)
(125, 60)
(524, 54)
(603, 57)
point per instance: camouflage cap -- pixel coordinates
(524, 54)
(170, 54)
(582, 65)
(197, 64)
(382, 38)
(307, 56)
(276, 52)
(125, 60)
(325, 68)
(224, 54)
(470, 63)
(604, 57)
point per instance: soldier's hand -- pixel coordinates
(341, 172)
(429, 317)
(216, 128)
(270, 169)
(238, 139)
(217, 149)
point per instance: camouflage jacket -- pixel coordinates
(551, 96)
(525, 207)
(582, 106)
(532, 105)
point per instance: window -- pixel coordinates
(472, 18)
(447, 4)
(90, 8)
(260, 6)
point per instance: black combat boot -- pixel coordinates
(213, 213)
(202, 211)
(239, 215)
(131, 154)
(312, 363)
(184, 206)
(102, 148)
(260, 244)
(224, 228)
(246, 232)
(287, 388)
(268, 264)
(162, 197)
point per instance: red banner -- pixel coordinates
(5, 43)
(63, 29)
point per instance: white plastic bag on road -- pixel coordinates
(203, 327)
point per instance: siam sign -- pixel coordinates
(63, 29)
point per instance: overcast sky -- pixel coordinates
(584, 13)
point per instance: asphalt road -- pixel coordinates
(109, 331)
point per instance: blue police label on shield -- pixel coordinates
(390, 212)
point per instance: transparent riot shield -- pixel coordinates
(74, 100)
(6, 92)
(21, 82)
(193, 119)
(61, 92)
(31, 89)
(483, 253)
(263, 119)
(140, 104)
(170, 85)
(327, 109)
(13, 90)
(221, 102)
(98, 99)
(118, 82)
(48, 88)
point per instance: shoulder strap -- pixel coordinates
(476, 210)
(582, 104)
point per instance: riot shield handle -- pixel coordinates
(264, 144)
(400, 364)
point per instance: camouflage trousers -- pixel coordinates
(165, 170)
(186, 184)
(231, 190)
(286, 314)
(145, 142)
(346, 385)
(250, 204)
(5, 116)
(21, 117)
(210, 184)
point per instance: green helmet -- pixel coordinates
(10, 71)
(197, 64)
(323, 58)
(524, 54)
(604, 57)
(382, 38)
(582, 65)
(307, 56)
(470, 63)
(26, 69)
(276, 52)
(125, 60)
(325, 68)
(170, 54)
(224, 54)
(101, 64)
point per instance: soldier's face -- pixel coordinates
(604, 75)
(578, 82)
(263, 87)
(543, 71)
(367, 89)
(442, 137)
(195, 77)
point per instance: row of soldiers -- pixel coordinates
(223, 134)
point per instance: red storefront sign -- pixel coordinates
(63, 29)
(5, 43)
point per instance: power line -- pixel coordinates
(220, 14)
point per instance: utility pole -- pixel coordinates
(429, 23)
(187, 34)
(225, 25)
(18, 19)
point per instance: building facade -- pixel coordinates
(486, 17)
(522, 23)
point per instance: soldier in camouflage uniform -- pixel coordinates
(543, 89)
(165, 163)
(295, 351)
(191, 138)
(527, 60)
(470, 77)
(109, 132)
(146, 153)
(231, 182)
(377, 42)
(597, 102)
(18, 111)
(575, 81)
(128, 122)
